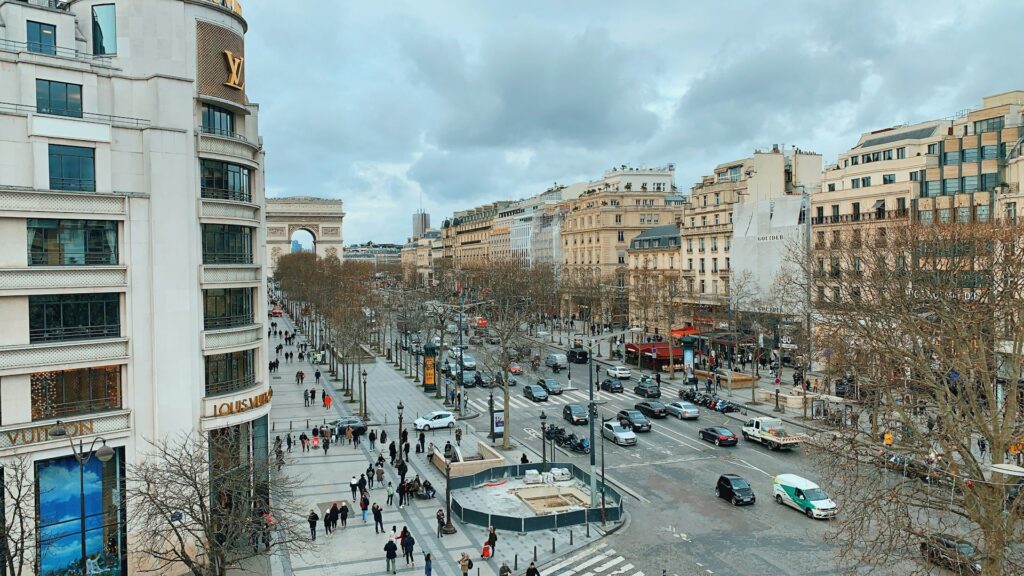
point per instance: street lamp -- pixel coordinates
(103, 454)
(604, 484)
(400, 427)
(593, 456)
(448, 527)
(543, 440)
(362, 397)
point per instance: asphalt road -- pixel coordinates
(678, 525)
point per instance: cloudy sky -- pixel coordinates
(387, 105)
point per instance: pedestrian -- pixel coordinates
(423, 441)
(317, 375)
(392, 451)
(348, 434)
(383, 437)
(334, 513)
(403, 469)
(465, 564)
(327, 523)
(492, 539)
(524, 459)
(390, 554)
(305, 397)
(408, 542)
(288, 441)
(326, 444)
(401, 494)
(380, 475)
(362, 483)
(532, 570)
(313, 518)
(391, 494)
(378, 519)
(426, 565)
(343, 514)
(369, 476)
(373, 438)
(323, 395)
(504, 570)
(440, 522)
(304, 440)
(405, 449)
(353, 486)
(364, 505)
(982, 445)
(328, 401)
(458, 436)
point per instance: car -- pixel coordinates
(434, 420)
(277, 312)
(357, 424)
(416, 339)
(735, 489)
(550, 385)
(513, 382)
(648, 389)
(552, 360)
(721, 436)
(476, 340)
(634, 419)
(451, 329)
(652, 409)
(611, 385)
(468, 362)
(575, 414)
(484, 380)
(618, 434)
(620, 372)
(804, 495)
(514, 368)
(683, 410)
(535, 393)
(578, 356)
(958, 555)
(541, 332)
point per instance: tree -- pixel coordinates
(195, 506)
(18, 519)
(645, 294)
(925, 329)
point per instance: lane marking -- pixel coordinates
(574, 557)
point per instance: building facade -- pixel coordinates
(466, 236)
(420, 224)
(132, 284)
(654, 258)
(376, 254)
(322, 218)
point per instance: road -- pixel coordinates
(678, 525)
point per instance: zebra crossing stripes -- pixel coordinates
(517, 400)
(599, 561)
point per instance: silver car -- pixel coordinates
(618, 434)
(683, 410)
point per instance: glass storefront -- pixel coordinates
(59, 504)
(71, 392)
(240, 457)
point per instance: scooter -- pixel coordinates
(579, 444)
(554, 432)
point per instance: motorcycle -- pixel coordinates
(554, 432)
(581, 445)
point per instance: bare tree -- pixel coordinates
(645, 294)
(196, 507)
(926, 328)
(18, 553)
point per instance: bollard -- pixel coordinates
(273, 426)
(588, 529)
(515, 565)
(552, 544)
(289, 425)
(535, 553)
(307, 422)
(570, 537)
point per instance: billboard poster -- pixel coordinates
(429, 376)
(498, 422)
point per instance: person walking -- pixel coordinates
(465, 564)
(380, 475)
(288, 441)
(492, 539)
(504, 570)
(313, 518)
(328, 401)
(427, 568)
(458, 436)
(373, 439)
(343, 514)
(317, 375)
(327, 523)
(353, 485)
(401, 494)
(383, 437)
(982, 446)
(326, 444)
(440, 522)
(532, 570)
(403, 469)
(408, 542)
(391, 494)
(369, 477)
(362, 483)
(390, 555)
(364, 505)
(378, 519)
(323, 396)
(334, 513)
(305, 398)
(392, 451)
(405, 449)
(304, 440)
(423, 442)
(348, 434)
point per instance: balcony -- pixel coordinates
(231, 274)
(25, 358)
(63, 410)
(58, 51)
(227, 257)
(222, 322)
(109, 424)
(230, 386)
(228, 144)
(236, 337)
(120, 121)
(862, 217)
(51, 279)
(229, 209)
(210, 193)
(31, 201)
(71, 333)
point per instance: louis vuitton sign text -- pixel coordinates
(243, 405)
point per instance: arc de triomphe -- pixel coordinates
(321, 217)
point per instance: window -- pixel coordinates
(59, 317)
(855, 183)
(856, 210)
(835, 295)
(227, 244)
(821, 293)
(901, 204)
(854, 160)
(72, 242)
(914, 176)
(58, 98)
(989, 152)
(888, 178)
(703, 220)
(230, 372)
(951, 158)
(820, 213)
(718, 198)
(622, 256)
(944, 215)
(727, 259)
(865, 181)
(982, 213)
(689, 244)
(227, 307)
(217, 120)
(876, 156)
(693, 222)
(932, 188)
(74, 392)
(224, 181)
(716, 219)
(933, 148)
(887, 154)
(832, 187)
(714, 244)
(925, 216)
(969, 184)
(971, 154)
(734, 173)
(714, 264)
(104, 30)
(836, 238)
(1011, 211)
(700, 244)
(622, 236)
(618, 218)
(42, 38)
(963, 214)
(702, 265)
(901, 153)
(835, 211)
(989, 182)
(702, 286)
(989, 125)
(72, 168)
(689, 263)
(820, 239)
(951, 185)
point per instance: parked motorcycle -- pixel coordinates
(581, 445)
(554, 432)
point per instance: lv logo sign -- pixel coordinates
(236, 70)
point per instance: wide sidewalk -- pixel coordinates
(357, 550)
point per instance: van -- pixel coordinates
(804, 495)
(553, 360)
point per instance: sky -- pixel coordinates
(390, 106)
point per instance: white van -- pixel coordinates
(804, 495)
(553, 360)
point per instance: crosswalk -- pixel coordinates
(669, 393)
(594, 561)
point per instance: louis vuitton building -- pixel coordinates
(131, 256)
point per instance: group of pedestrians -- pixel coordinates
(407, 543)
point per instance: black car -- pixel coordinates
(611, 385)
(719, 435)
(958, 555)
(550, 385)
(635, 420)
(735, 489)
(652, 409)
(575, 414)
(535, 393)
(357, 424)
(647, 390)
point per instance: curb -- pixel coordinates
(626, 522)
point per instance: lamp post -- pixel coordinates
(104, 454)
(593, 456)
(543, 440)
(604, 484)
(448, 527)
(490, 408)
(400, 426)
(362, 397)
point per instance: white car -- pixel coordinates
(618, 434)
(683, 410)
(541, 332)
(620, 372)
(435, 420)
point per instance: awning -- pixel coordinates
(640, 348)
(688, 331)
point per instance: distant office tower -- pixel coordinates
(420, 223)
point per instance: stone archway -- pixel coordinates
(321, 217)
